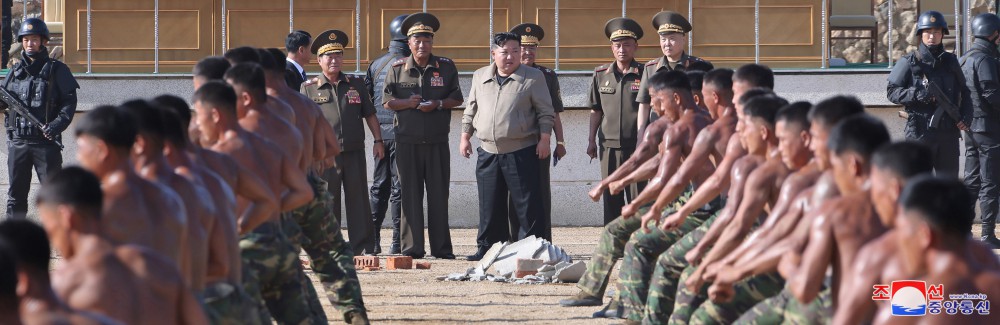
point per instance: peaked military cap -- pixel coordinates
(420, 22)
(670, 22)
(330, 41)
(530, 33)
(622, 27)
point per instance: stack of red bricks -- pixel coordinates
(371, 263)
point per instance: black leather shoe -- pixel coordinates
(448, 256)
(581, 299)
(992, 241)
(414, 255)
(394, 248)
(611, 310)
(478, 255)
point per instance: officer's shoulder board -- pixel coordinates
(399, 62)
(651, 62)
(602, 68)
(443, 59)
(311, 82)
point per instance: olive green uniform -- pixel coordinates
(423, 157)
(654, 66)
(346, 104)
(613, 94)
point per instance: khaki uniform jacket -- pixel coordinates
(439, 81)
(345, 105)
(613, 93)
(654, 66)
(508, 117)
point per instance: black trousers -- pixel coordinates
(982, 174)
(21, 157)
(385, 192)
(943, 142)
(351, 177)
(545, 187)
(611, 158)
(424, 166)
(514, 174)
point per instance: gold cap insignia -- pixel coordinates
(420, 28)
(623, 33)
(29, 27)
(933, 19)
(527, 29)
(331, 47)
(529, 40)
(666, 28)
(333, 36)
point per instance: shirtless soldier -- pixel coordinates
(934, 227)
(331, 255)
(136, 211)
(150, 164)
(39, 303)
(266, 252)
(129, 283)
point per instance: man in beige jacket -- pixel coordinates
(509, 110)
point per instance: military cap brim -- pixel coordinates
(622, 27)
(530, 33)
(420, 22)
(330, 41)
(671, 22)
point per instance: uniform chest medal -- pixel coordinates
(635, 85)
(353, 97)
(436, 80)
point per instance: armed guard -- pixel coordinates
(934, 119)
(982, 143)
(385, 185)
(47, 90)
(531, 35)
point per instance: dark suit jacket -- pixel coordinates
(292, 76)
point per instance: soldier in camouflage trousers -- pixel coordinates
(644, 248)
(332, 258)
(272, 275)
(226, 304)
(610, 248)
(785, 309)
(695, 308)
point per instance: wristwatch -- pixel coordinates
(379, 141)
(561, 143)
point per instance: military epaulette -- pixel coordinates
(695, 58)
(443, 59)
(602, 68)
(311, 82)
(399, 62)
(651, 62)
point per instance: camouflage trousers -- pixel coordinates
(226, 304)
(670, 265)
(785, 309)
(611, 247)
(695, 308)
(273, 277)
(294, 232)
(641, 254)
(332, 258)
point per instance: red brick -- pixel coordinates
(423, 265)
(521, 274)
(361, 262)
(398, 263)
(372, 268)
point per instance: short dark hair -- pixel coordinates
(861, 134)
(669, 79)
(242, 54)
(109, 124)
(499, 39)
(177, 105)
(8, 274)
(795, 113)
(756, 75)
(721, 79)
(211, 68)
(29, 242)
(218, 95)
(250, 77)
(279, 57)
(904, 159)
(148, 119)
(297, 39)
(174, 131)
(703, 66)
(831, 110)
(943, 203)
(267, 61)
(695, 77)
(764, 109)
(752, 93)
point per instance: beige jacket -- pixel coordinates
(508, 117)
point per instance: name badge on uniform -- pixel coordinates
(436, 80)
(321, 100)
(607, 89)
(353, 97)
(407, 85)
(635, 85)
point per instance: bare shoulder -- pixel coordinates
(148, 264)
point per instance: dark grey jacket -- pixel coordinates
(375, 81)
(906, 87)
(980, 65)
(48, 89)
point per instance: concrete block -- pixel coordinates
(427, 266)
(571, 273)
(491, 256)
(362, 262)
(526, 264)
(399, 263)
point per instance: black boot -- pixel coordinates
(478, 255)
(378, 240)
(989, 235)
(394, 247)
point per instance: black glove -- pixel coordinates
(922, 94)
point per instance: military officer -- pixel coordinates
(347, 106)
(614, 110)
(530, 35)
(422, 89)
(47, 89)
(673, 29)
(385, 179)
